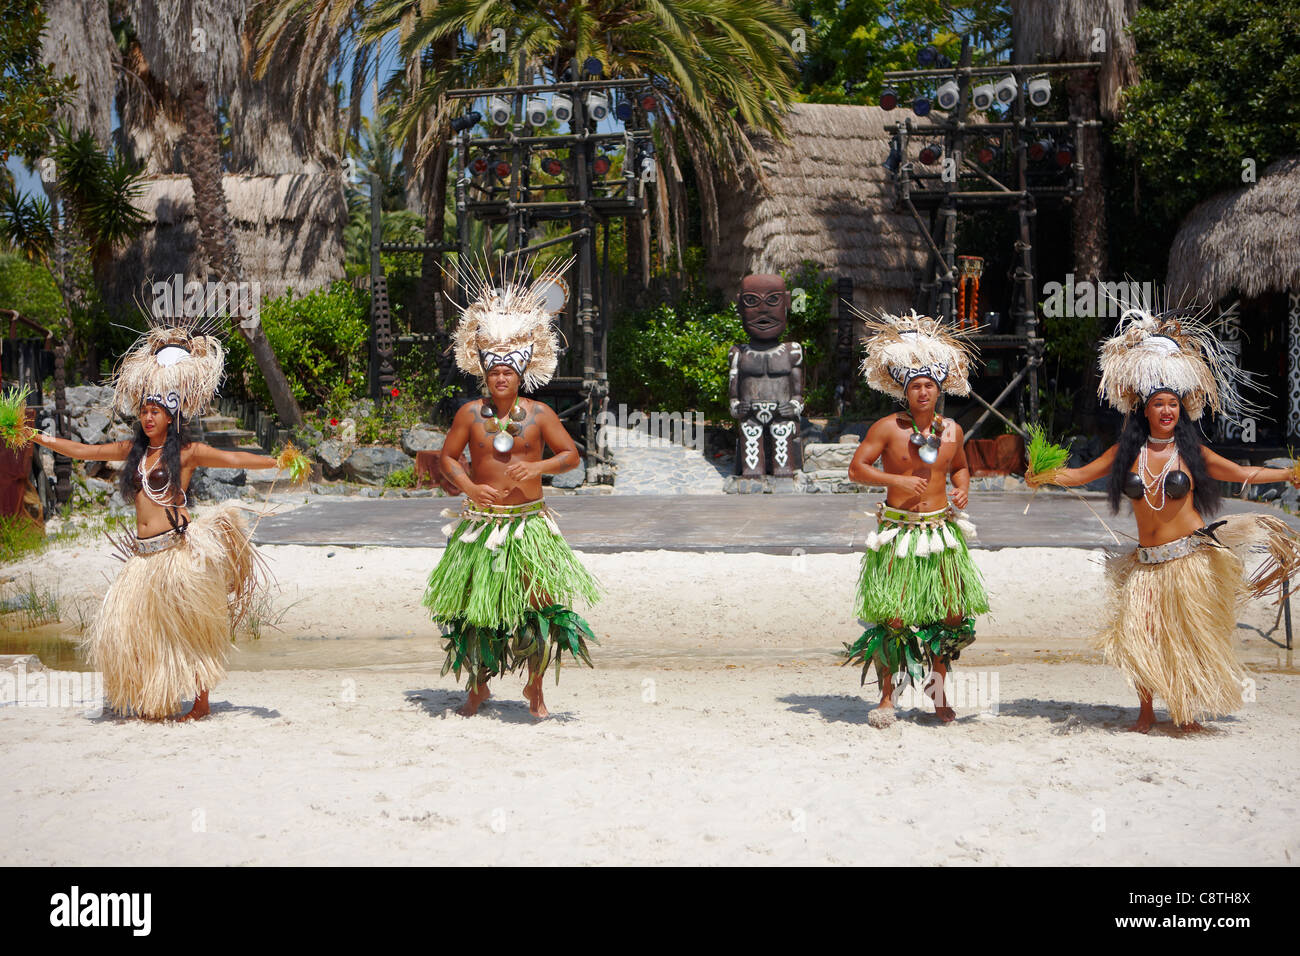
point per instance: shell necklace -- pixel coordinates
(162, 497)
(927, 446)
(506, 428)
(1152, 479)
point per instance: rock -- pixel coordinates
(263, 478)
(821, 457)
(422, 438)
(853, 432)
(81, 397)
(204, 487)
(735, 485)
(571, 478)
(95, 489)
(332, 454)
(781, 486)
(1278, 463)
(228, 476)
(120, 432)
(320, 488)
(371, 464)
(371, 492)
(92, 427)
(811, 432)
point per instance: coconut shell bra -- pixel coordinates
(1177, 485)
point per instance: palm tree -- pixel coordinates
(1069, 30)
(73, 234)
(194, 52)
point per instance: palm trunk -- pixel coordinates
(435, 224)
(1088, 220)
(217, 239)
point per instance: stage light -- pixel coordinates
(888, 99)
(921, 106)
(1007, 89)
(927, 55)
(502, 169)
(562, 107)
(552, 166)
(537, 111)
(480, 165)
(1040, 91)
(987, 153)
(948, 96)
(623, 110)
(649, 102)
(931, 153)
(982, 96)
(893, 160)
(600, 166)
(592, 66)
(498, 111)
(597, 106)
(468, 121)
(1039, 149)
(1064, 155)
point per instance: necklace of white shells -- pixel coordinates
(1151, 479)
(162, 497)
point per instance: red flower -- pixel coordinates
(334, 421)
(396, 392)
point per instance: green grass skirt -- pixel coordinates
(894, 583)
(503, 593)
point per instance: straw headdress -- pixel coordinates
(1173, 352)
(903, 347)
(509, 324)
(173, 365)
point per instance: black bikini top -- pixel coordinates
(1177, 485)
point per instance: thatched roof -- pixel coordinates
(822, 197)
(289, 230)
(1245, 241)
(1064, 30)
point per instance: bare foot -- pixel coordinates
(1192, 728)
(198, 711)
(536, 705)
(476, 697)
(883, 715)
(946, 714)
(1144, 723)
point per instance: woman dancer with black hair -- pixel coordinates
(164, 628)
(1174, 608)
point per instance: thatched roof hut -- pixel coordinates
(1245, 241)
(289, 229)
(823, 196)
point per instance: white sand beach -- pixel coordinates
(716, 729)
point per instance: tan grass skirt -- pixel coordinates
(164, 630)
(1172, 626)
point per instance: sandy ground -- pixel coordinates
(715, 729)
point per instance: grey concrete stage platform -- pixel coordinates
(774, 524)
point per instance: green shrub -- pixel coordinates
(675, 357)
(402, 478)
(321, 340)
(19, 537)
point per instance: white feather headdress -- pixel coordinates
(900, 348)
(1171, 352)
(510, 324)
(174, 365)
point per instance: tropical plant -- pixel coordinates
(30, 90)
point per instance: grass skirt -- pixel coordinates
(1172, 626)
(917, 569)
(164, 629)
(504, 590)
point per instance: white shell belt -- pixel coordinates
(499, 518)
(156, 543)
(920, 533)
(1171, 551)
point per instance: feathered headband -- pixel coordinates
(903, 347)
(1171, 352)
(510, 324)
(174, 366)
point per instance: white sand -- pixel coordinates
(713, 731)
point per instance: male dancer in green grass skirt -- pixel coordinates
(504, 589)
(918, 590)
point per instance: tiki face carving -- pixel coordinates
(764, 306)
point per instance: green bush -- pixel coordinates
(675, 357)
(30, 289)
(19, 536)
(402, 478)
(321, 340)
